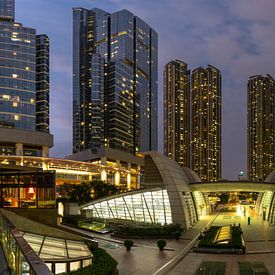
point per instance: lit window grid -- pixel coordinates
(150, 206)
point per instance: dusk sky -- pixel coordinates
(236, 36)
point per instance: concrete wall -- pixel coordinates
(34, 138)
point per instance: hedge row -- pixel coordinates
(144, 229)
(208, 239)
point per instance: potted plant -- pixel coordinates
(177, 235)
(161, 244)
(128, 244)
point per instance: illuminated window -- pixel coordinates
(6, 97)
(14, 75)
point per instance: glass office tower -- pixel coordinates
(24, 86)
(7, 10)
(206, 123)
(177, 112)
(260, 127)
(114, 81)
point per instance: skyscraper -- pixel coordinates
(24, 85)
(177, 112)
(260, 126)
(7, 10)
(114, 81)
(206, 123)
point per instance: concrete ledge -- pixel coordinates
(34, 138)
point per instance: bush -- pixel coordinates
(146, 229)
(177, 235)
(208, 239)
(161, 244)
(103, 264)
(128, 244)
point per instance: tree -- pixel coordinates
(86, 191)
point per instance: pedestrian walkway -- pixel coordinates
(259, 238)
(145, 257)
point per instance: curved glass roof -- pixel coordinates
(55, 249)
(151, 206)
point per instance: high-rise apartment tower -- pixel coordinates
(206, 123)
(177, 112)
(260, 127)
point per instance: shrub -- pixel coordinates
(176, 235)
(128, 244)
(145, 229)
(103, 263)
(161, 244)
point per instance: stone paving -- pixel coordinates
(145, 257)
(259, 238)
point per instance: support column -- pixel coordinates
(103, 172)
(19, 149)
(138, 177)
(45, 151)
(117, 174)
(129, 176)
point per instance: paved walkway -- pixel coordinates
(260, 246)
(145, 257)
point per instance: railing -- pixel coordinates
(20, 257)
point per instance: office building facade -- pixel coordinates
(114, 81)
(206, 123)
(24, 100)
(177, 112)
(260, 126)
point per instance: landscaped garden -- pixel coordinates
(125, 229)
(221, 239)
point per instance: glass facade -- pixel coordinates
(206, 123)
(27, 189)
(24, 74)
(17, 76)
(7, 10)
(42, 83)
(144, 206)
(114, 70)
(261, 127)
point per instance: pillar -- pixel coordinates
(129, 176)
(138, 177)
(19, 149)
(45, 151)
